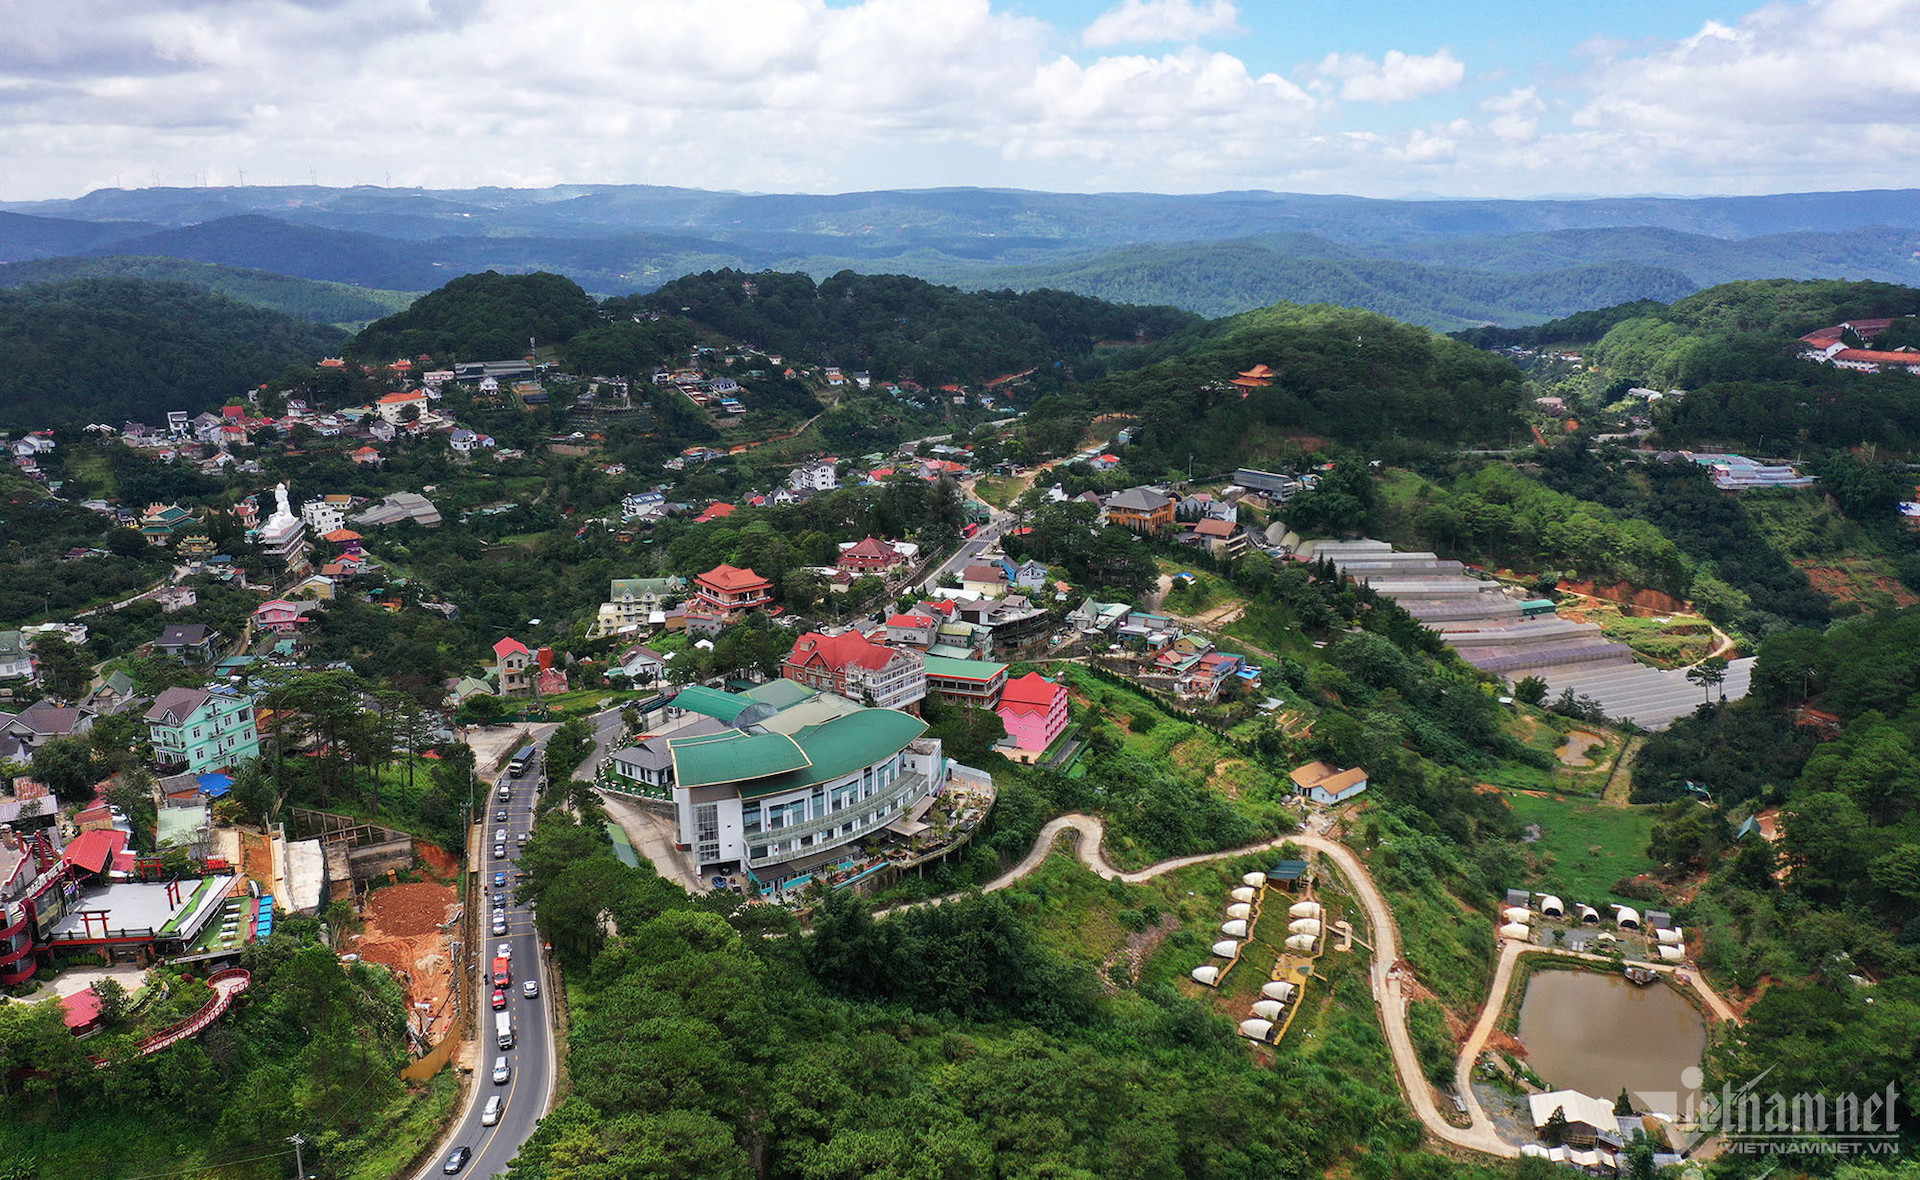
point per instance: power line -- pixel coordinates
(203, 1167)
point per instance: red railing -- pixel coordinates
(225, 984)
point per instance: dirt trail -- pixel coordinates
(1392, 988)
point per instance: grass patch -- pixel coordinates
(1583, 846)
(414, 1119)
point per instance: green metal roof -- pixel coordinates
(733, 757)
(841, 747)
(950, 651)
(721, 706)
(781, 694)
(963, 669)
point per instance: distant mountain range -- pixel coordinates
(1445, 264)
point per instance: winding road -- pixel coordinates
(1387, 980)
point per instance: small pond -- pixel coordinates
(1596, 1033)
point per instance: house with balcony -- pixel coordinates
(513, 667)
(870, 556)
(202, 729)
(633, 603)
(1144, 510)
(730, 593)
(187, 641)
(974, 683)
(855, 667)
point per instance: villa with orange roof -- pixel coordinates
(730, 593)
(394, 407)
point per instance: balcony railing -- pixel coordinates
(907, 787)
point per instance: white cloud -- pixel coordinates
(1135, 22)
(1515, 102)
(1396, 77)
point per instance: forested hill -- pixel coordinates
(482, 317)
(1340, 374)
(899, 327)
(307, 299)
(98, 350)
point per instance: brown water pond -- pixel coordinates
(1596, 1033)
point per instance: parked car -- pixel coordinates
(499, 998)
(499, 850)
(457, 1159)
(491, 1114)
(500, 816)
(499, 879)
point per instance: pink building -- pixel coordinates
(278, 615)
(1034, 710)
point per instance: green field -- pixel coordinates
(1584, 846)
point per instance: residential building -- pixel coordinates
(639, 665)
(975, 683)
(16, 658)
(870, 556)
(632, 602)
(988, 578)
(187, 641)
(857, 668)
(202, 728)
(1221, 538)
(32, 897)
(326, 514)
(1034, 710)
(821, 475)
(43, 721)
(280, 615)
(730, 593)
(912, 630)
(646, 767)
(1323, 783)
(512, 662)
(1031, 575)
(400, 408)
(1144, 510)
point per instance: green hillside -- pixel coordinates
(306, 299)
(482, 317)
(96, 350)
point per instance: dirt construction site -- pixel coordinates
(406, 929)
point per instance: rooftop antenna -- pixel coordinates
(310, 180)
(243, 178)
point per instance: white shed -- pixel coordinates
(1516, 931)
(1304, 909)
(1302, 943)
(1239, 909)
(1552, 906)
(1670, 936)
(1208, 975)
(1268, 1009)
(1277, 989)
(1308, 926)
(1226, 948)
(1626, 917)
(1234, 929)
(1259, 1030)
(1670, 954)
(1254, 880)
(1517, 913)
(1588, 915)
(1242, 893)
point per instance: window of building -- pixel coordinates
(706, 831)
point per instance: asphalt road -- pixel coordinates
(530, 1090)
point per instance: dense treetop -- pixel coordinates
(95, 350)
(487, 316)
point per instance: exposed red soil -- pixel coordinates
(1623, 594)
(403, 934)
(1843, 586)
(439, 861)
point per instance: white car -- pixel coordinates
(499, 850)
(530, 989)
(501, 1071)
(505, 951)
(491, 1115)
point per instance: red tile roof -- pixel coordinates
(910, 621)
(1030, 693)
(1212, 527)
(715, 511)
(508, 646)
(839, 651)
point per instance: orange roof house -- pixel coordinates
(730, 592)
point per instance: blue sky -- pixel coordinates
(1495, 98)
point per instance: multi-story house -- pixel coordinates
(730, 593)
(202, 728)
(632, 602)
(16, 658)
(854, 667)
(976, 683)
(819, 476)
(1034, 710)
(1144, 510)
(870, 556)
(513, 661)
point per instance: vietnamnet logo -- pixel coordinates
(1750, 1120)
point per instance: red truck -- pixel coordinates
(502, 971)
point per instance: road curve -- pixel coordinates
(1386, 982)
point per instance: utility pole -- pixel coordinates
(299, 1160)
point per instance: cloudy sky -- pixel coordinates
(1389, 98)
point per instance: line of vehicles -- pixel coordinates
(500, 975)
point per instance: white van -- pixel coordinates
(491, 1115)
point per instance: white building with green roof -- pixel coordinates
(791, 787)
